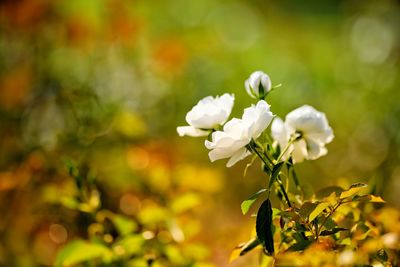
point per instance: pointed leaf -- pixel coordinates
(249, 246)
(234, 255)
(306, 209)
(300, 245)
(332, 231)
(246, 205)
(326, 191)
(353, 189)
(370, 198)
(264, 226)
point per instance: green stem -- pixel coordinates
(252, 147)
(285, 149)
(326, 219)
(258, 145)
(294, 137)
(284, 192)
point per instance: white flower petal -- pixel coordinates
(225, 102)
(258, 118)
(237, 133)
(311, 122)
(313, 127)
(239, 155)
(210, 112)
(299, 151)
(315, 149)
(191, 131)
(279, 132)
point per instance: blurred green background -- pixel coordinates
(106, 82)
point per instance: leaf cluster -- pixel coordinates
(333, 220)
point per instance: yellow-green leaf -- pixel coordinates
(131, 244)
(370, 198)
(79, 251)
(246, 205)
(124, 225)
(353, 189)
(318, 210)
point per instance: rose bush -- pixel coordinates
(332, 221)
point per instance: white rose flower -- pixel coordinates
(258, 85)
(208, 114)
(312, 130)
(231, 142)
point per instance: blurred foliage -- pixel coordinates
(106, 83)
(147, 232)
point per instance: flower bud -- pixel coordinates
(258, 85)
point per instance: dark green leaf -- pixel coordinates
(356, 185)
(298, 236)
(245, 206)
(275, 172)
(382, 255)
(306, 209)
(332, 231)
(264, 226)
(300, 228)
(330, 224)
(249, 246)
(300, 245)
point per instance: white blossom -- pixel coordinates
(237, 133)
(311, 130)
(208, 114)
(258, 84)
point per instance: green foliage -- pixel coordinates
(246, 205)
(150, 238)
(274, 174)
(330, 218)
(80, 251)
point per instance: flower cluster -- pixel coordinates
(303, 134)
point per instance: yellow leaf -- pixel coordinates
(354, 189)
(376, 199)
(331, 199)
(234, 255)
